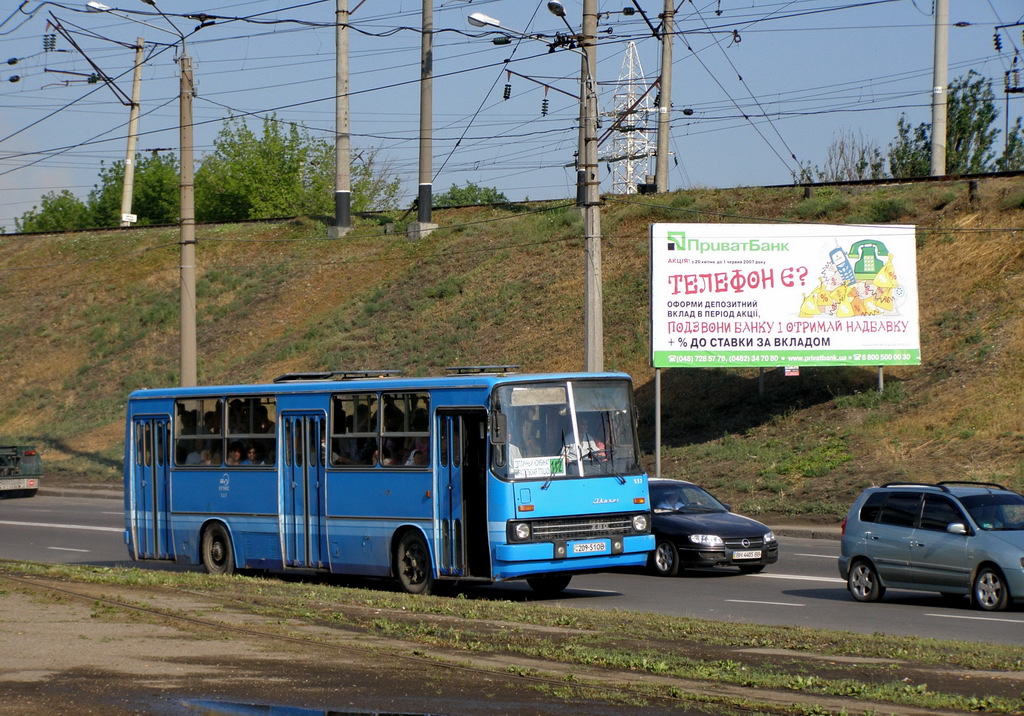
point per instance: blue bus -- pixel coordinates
(478, 476)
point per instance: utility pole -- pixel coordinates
(940, 83)
(342, 147)
(133, 139)
(423, 225)
(188, 226)
(664, 106)
(589, 191)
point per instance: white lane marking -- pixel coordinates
(68, 549)
(774, 604)
(980, 619)
(119, 512)
(62, 527)
(799, 577)
(803, 554)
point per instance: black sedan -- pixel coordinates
(693, 529)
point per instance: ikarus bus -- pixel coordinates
(478, 476)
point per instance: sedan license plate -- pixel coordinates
(747, 554)
(586, 547)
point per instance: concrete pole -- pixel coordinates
(342, 139)
(133, 137)
(188, 227)
(588, 176)
(423, 225)
(940, 85)
(664, 107)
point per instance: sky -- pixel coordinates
(759, 87)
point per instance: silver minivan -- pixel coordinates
(955, 538)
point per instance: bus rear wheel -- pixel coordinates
(218, 554)
(549, 585)
(412, 564)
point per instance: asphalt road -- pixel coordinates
(802, 589)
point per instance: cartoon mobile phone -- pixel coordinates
(839, 260)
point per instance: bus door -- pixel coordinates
(151, 466)
(461, 493)
(303, 503)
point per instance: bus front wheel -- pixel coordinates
(549, 585)
(218, 555)
(412, 564)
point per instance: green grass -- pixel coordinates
(629, 643)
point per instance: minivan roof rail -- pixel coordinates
(917, 484)
(972, 483)
(335, 375)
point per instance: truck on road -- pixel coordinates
(20, 470)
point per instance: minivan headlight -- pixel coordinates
(769, 536)
(640, 523)
(707, 540)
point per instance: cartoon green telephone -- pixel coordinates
(868, 255)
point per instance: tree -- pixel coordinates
(970, 134)
(851, 157)
(155, 192)
(469, 195)
(157, 195)
(282, 172)
(910, 153)
(373, 187)
(60, 211)
(1013, 154)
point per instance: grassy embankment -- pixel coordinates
(90, 317)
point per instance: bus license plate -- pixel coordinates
(748, 554)
(585, 547)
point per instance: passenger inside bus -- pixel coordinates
(234, 454)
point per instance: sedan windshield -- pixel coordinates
(683, 498)
(996, 511)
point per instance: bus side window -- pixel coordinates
(251, 424)
(405, 432)
(354, 436)
(198, 432)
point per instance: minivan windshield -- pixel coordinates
(996, 511)
(574, 428)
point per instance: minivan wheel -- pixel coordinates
(989, 591)
(863, 582)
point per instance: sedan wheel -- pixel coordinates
(664, 561)
(989, 591)
(863, 582)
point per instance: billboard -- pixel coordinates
(765, 295)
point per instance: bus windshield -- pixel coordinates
(577, 428)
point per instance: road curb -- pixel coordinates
(807, 532)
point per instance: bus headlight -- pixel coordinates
(522, 531)
(640, 523)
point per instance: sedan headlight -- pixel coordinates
(769, 536)
(523, 530)
(707, 540)
(640, 523)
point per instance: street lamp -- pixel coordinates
(588, 181)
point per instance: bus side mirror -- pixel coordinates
(499, 428)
